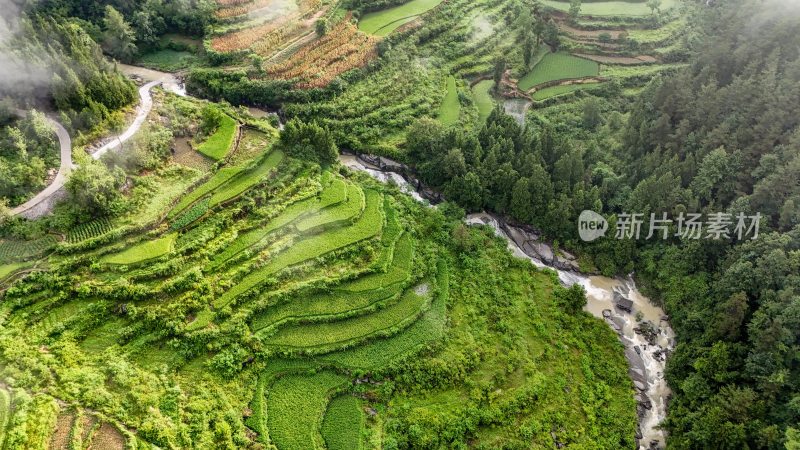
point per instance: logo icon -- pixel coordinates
(591, 226)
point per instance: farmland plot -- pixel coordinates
(221, 141)
(387, 20)
(558, 66)
(342, 49)
(295, 405)
(343, 422)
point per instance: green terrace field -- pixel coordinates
(387, 20)
(221, 141)
(555, 91)
(612, 8)
(482, 94)
(142, 252)
(450, 108)
(261, 300)
(558, 66)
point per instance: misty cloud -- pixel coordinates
(20, 73)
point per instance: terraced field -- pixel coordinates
(558, 66)
(611, 8)
(450, 108)
(317, 64)
(385, 21)
(264, 26)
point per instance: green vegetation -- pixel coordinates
(387, 20)
(143, 252)
(611, 8)
(221, 142)
(296, 403)
(450, 108)
(558, 66)
(221, 177)
(555, 91)
(482, 92)
(343, 424)
(168, 60)
(324, 336)
(5, 413)
(368, 225)
(89, 230)
(246, 179)
(14, 250)
(8, 269)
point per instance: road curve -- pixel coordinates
(29, 209)
(43, 202)
(142, 110)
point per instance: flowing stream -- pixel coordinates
(644, 330)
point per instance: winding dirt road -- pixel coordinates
(43, 202)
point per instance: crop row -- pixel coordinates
(295, 405)
(325, 336)
(89, 230)
(349, 210)
(322, 307)
(244, 39)
(246, 180)
(195, 212)
(144, 251)
(334, 193)
(316, 65)
(343, 423)
(381, 353)
(367, 226)
(241, 8)
(267, 35)
(398, 271)
(221, 177)
(13, 250)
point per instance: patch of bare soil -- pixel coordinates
(107, 437)
(60, 438)
(621, 60)
(587, 34)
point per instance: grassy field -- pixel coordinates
(450, 108)
(221, 142)
(8, 269)
(482, 93)
(614, 8)
(387, 20)
(142, 252)
(343, 423)
(558, 66)
(168, 60)
(555, 91)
